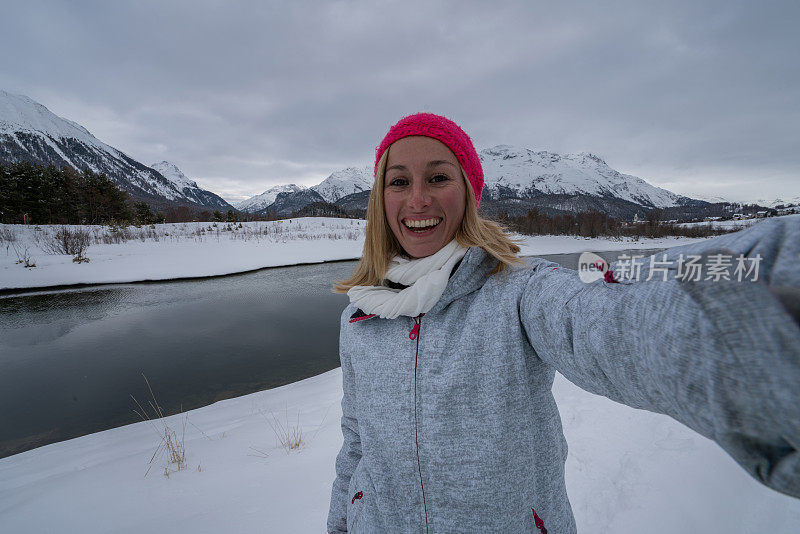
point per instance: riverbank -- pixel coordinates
(628, 471)
(196, 250)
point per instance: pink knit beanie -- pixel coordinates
(444, 130)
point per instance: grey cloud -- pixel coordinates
(244, 95)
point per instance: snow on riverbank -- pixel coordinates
(176, 250)
(628, 471)
(187, 250)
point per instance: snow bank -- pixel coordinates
(178, 250)
(628, 471)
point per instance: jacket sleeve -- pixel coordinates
(350, 453)
(720, 356)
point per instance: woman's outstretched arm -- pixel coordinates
(720, 356)
(350, 453)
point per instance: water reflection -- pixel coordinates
(70, 360)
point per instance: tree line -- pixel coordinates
(39, 194)
(596, 224)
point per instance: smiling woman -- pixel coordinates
(450, 345)
(417, 185)
(424, 194)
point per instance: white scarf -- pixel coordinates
(426, 277)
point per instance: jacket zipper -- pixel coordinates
(414, 335)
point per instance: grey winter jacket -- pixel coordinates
(452, 427)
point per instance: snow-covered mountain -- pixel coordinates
(31, 132)
(519, 179)
(712, 198)
(189, 187)
(287, 203)
(171, 172)
(522, 173)
(345, 182)
(795, 201)
(265, 199)
(286, 199)
(780, 201)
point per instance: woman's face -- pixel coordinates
(423, 194)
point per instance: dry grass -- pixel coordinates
(289, 436)
(171, 444)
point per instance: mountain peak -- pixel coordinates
(526, 173)
(587, 156)
(30, 132)
(345, 182)
(166, 164)
(171, 172)
(265, 199)
(20, 113)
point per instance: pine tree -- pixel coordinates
(143, 214)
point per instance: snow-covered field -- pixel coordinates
(176, 250)
(187, 250)
(628, 471)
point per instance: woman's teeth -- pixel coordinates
(423, 225)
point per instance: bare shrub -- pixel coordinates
(23, 254)
(115, 235)
(7, 235)
(66, 241)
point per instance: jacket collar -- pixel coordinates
(470, 276)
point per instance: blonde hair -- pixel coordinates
(381, 245)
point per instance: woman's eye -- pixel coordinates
(439, 178)
(398, 182)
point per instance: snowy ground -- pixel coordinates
(177, 250)
(628, 471)
(186, 250)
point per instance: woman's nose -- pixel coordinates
(420, 196)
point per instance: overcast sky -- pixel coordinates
(701, 98)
